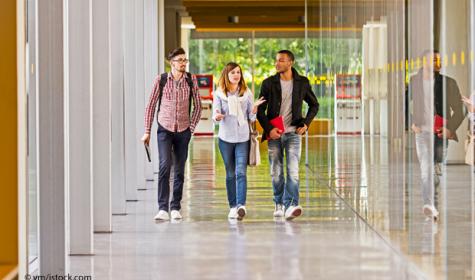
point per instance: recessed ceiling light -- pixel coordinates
(233, 19)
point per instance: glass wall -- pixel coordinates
(397, 156)
(256, 56)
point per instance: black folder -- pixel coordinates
(147, 151)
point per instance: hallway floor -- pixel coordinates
(341, 235)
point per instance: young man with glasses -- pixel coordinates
(285, 93)
(174, 92)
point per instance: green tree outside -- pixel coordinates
(327, 57)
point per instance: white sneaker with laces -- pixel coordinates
(176, 215)
(293, 212)
(162, 215)
(233, 213)
(279, 210)
(241, 212)
(430, 211)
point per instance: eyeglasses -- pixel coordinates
(180, 60)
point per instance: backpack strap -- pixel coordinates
(189, 80)
(163, 82)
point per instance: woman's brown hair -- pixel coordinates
(224, 83)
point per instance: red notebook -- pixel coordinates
(278, 122)
(439, 122)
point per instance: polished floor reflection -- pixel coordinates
(381, 182)
(361, 221)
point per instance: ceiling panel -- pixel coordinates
(209, 15)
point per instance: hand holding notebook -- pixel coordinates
(439, 123)
(147, 151)
(278, 123)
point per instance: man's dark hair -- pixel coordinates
(288, 53)
(175, 52)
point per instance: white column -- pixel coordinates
(131, 136)
(161, 69)
(50, 132)
(161, 36)
(101, 116)
(150, 62)
(78, 124)
(139, 90)
(117, 109)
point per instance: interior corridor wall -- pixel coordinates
(8, 145)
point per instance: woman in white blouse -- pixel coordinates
(470, 104)
(233, 108)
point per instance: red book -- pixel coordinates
(439, 122)
(279, 123)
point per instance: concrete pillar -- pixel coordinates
(130, 133)
(150, 63)
(101, 116)
(161, 69)
(140, 16)
(117, 109)
(50, 127)
(78, 125)
(172, 24)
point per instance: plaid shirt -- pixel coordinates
(174, 111)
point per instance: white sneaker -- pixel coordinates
(279, 210)
(241, 212)
(176, 215)
(293, 212)
(233, 213)
(430, 211)
(162, 215)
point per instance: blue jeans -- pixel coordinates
(235, 157)
(285, 192)
(430, 150)
(168, 143)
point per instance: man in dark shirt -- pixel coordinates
(285, 93)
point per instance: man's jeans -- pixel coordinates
(168, 143)
(286, 192)
(235, 156)
(430, 150)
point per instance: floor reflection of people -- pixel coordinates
(238, 250)
(429, 230)
(437, 113)
(286, 253)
